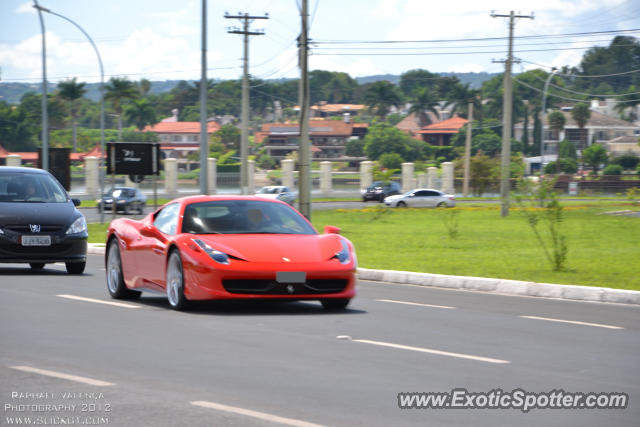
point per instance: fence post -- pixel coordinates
(287, 173)
(14, 160)
(447, 178)
(325, 178)
(212, 175)
(407, 176)
(171, 177)
(91, 177)
(366, 174)
(432, 176)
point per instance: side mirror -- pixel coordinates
(330, 229)
(76, 202)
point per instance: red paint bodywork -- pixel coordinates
(144, 252)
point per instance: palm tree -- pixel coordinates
(380, 96)
(581, 114)
(118, 91)
(140, 112)
(556, 121)
(423, 100)
(71, 92)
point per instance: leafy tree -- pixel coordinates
(381, 96)
(71, 92)
(483, 172)
(424, 100)
(229, 136)
(627, 161)
(565, 165)
(383, 138)
(612, 170)
(567, 150)
(556, 121)
(413, 80)
(594, 156)
(355, 148)
(488, 142)
(581, 114)
(141, 113)
(118, 91)
(391, 161)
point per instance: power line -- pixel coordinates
(581, 76)
(565, 97)
(449, 53)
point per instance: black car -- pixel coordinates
(39, 223)
(128, 199)
(379, 190)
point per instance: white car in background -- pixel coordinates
(278, 192)
(421, 198)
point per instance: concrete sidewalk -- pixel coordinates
(483, 284)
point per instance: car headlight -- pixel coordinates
(343, 256)
(78, 226)
(217, 256)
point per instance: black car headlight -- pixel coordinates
(78, 226)
(217, 256)
(343, 256)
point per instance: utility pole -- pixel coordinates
(244, 137)
(467, 151)
(204, 135)
(543, 118)
(304, 151)
(507, 107)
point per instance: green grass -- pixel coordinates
(604, 250)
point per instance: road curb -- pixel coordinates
(504, 286)
(483, 284)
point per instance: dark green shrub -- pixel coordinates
(612, 170)
(627, 161)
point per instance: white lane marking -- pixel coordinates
(54, 374)
(254, 414)
(432, 351)
(574, 322)
(415, 303)
(98, 301)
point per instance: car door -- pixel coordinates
(153, 241)
(431, 199)
(417, 199)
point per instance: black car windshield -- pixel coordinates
(243, 217)
(23, 187)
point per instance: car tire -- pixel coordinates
(335, 303)
(175, 282)
(115, 280)
(75, 267)
(441, 205)
(401, 205)
(36, 265)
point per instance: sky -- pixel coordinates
(161, 39)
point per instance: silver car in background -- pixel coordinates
(278, 192)
(421, 198)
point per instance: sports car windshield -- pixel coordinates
(243, 217)
(30, 188)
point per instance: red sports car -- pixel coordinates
(229, 247)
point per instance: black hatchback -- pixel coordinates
(39, 223)
(127, 199)
(379, 190)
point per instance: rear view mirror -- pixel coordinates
(330, 229)
(76, 202)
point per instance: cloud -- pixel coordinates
(26, 7)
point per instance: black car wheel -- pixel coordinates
(75, 267)
(402, 205)
(36, 265)
(442, 205)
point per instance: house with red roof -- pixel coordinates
(178, 139)
(328, 138)
(440, 133)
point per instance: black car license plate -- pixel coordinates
(36, 240)
(291, 277)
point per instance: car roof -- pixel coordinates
(14, 170)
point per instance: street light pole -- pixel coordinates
(45, 110)
(102, 147)
(543, 113)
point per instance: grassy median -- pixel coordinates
(474, 240)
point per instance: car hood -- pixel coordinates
(268, 196)
(274, 248)
(38, 213)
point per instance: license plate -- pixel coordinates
(36, 240)
(291, 277)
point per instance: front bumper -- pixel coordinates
(63, 248)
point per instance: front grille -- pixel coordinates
(271, 287)
(25, 228)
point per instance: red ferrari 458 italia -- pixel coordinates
(229, 247)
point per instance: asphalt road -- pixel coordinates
(255, 364)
